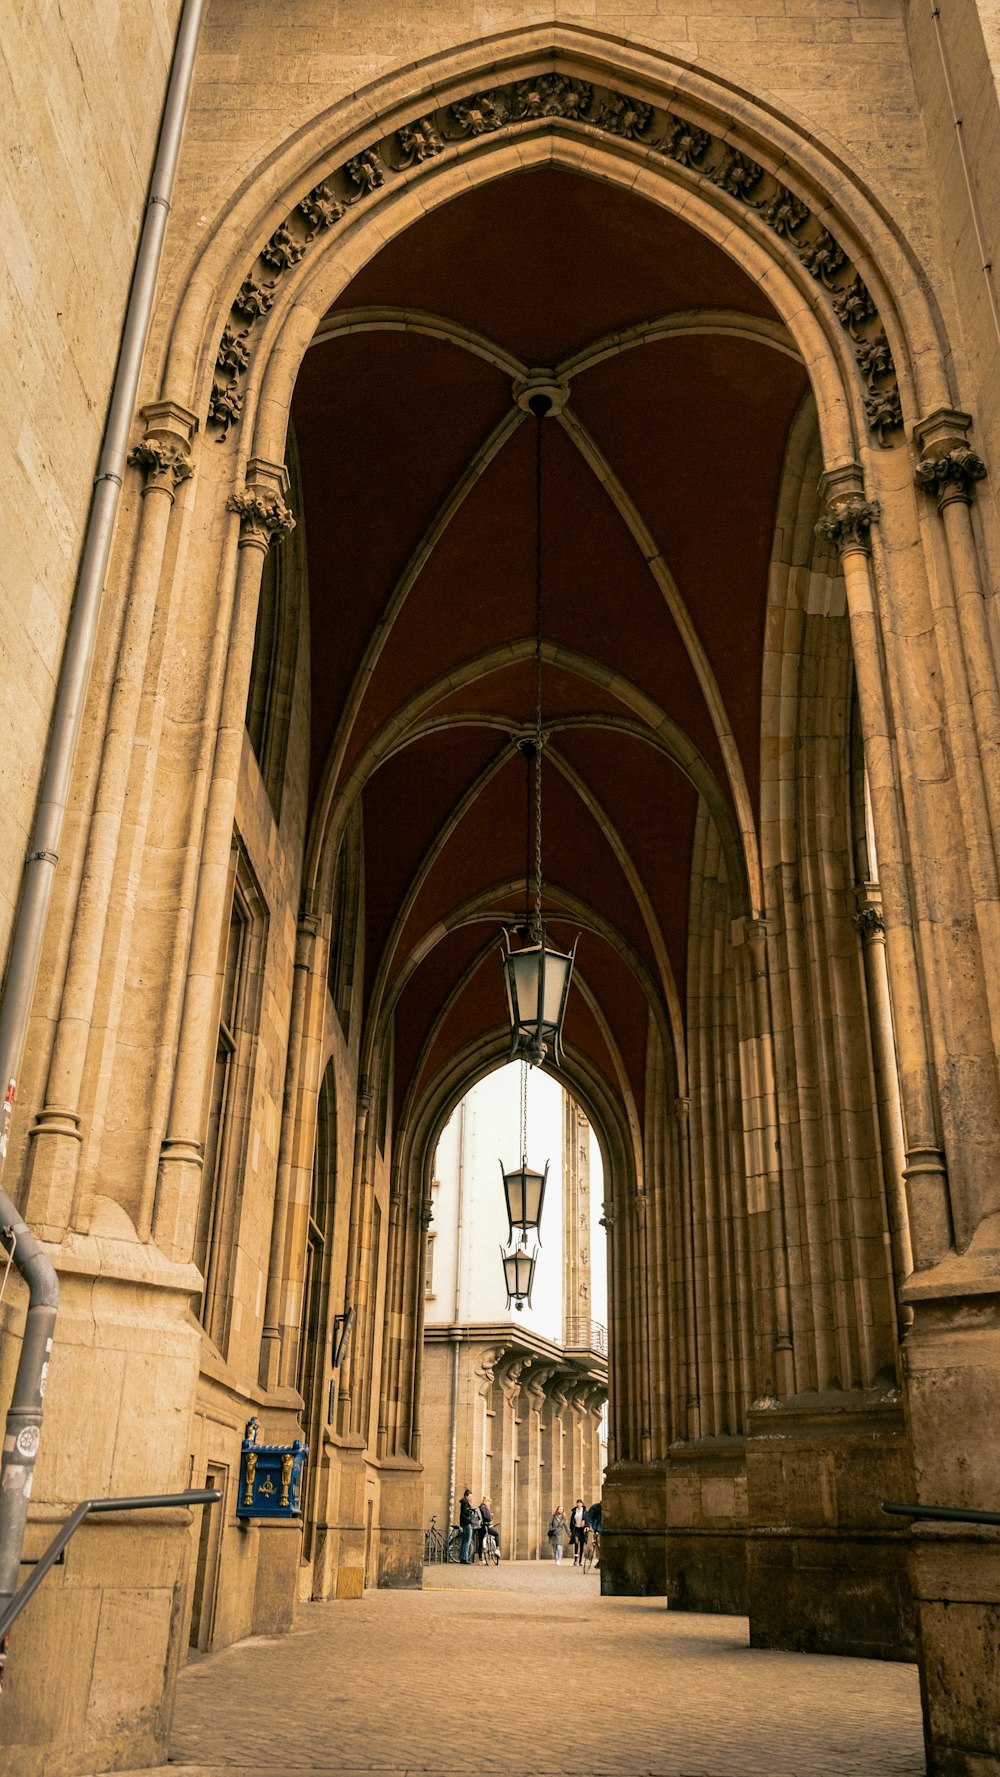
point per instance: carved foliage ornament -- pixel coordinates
(164, 465)
(561, 98)
(849, 525)
(951, 476)
(264, 517)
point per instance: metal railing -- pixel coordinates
(944, 1514)
(194, 1496)
(580, 1334)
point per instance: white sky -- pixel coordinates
(469, 1286)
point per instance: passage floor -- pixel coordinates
(527, 1669)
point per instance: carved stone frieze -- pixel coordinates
(419, 142)
(622, 117)
(848, 523)
(952, 475)
(853, 307)
(823, 257)
(366, 171)
(234, 354)
(885, 413)
(737, 174)
(684, 142)
(253, 299)
(661, 133)
(784, 212)
(282, 250)
(224, 407)
(320, 209)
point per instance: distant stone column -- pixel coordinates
(577, 1300)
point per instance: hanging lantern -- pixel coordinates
(519, 1275)
(525, 1191)
(537, 977)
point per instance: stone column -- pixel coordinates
(847, 525)
(263, 519)
(764, 1183)
(270, 1349)
(164, 461)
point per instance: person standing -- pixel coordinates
(557, 1533)
(468, 1522)
(486, 1520)
(578, 1531)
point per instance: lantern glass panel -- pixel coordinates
(525, 1190)
(557, 968)
(524, 974)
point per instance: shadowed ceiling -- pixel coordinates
(660, 478)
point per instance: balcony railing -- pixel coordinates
(585, 1335)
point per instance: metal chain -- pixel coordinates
(538, 678)
(524, 1111)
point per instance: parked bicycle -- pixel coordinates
(491, 1546)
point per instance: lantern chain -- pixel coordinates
(524, 1113)
(538, 677)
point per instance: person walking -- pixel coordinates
(578, 1531)
(557, 1533)
(468, 1522)
(594, 1526)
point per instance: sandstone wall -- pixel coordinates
(81, 92)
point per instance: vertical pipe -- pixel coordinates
(23, 1429)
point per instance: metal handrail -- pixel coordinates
(195, 1496)
(946, 1514)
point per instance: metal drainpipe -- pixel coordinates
(23, 1428)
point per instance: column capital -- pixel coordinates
(868, 917)
(163, 453)
(848, 513)
(264, 516)
(948, 468)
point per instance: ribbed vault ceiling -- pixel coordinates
(661, 476)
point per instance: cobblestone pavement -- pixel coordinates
(528, 1670)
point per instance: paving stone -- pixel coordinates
(528, 1669)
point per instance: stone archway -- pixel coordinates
(846, 309)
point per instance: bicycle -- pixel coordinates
(490, 1551)
(591, 1550)
(454, 1545)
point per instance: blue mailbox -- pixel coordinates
(270, 1477)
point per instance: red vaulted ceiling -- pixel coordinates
(422, 644)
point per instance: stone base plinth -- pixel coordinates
(956, 1585)
(400, 1536)
(117, 1415)
(634, 1534)
(827, 1570)
(706, 1527)
(279, 1548)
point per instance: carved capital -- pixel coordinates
(948, 467)
(163, 465)
(951, 476)
(162, 456)
(870, 923)
(848, 524)
(264, 516)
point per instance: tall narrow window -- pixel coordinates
(226, 1131)
(345, 902)
(271, 691)
(310, 1368)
